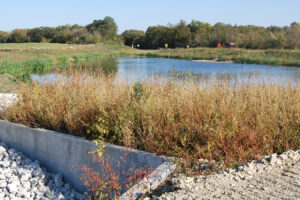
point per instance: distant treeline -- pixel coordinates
(98, 31)
(199, 34)
(195, 34)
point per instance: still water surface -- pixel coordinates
(137, 69)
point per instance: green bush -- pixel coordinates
(37, 65)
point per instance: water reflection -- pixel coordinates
(94, 67)
(297, 77)
(107, 66)
(131, 69)
(136, 69)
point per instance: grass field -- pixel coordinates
(25, 51)
(30, 45)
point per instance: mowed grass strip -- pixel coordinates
(20, 52)
(231, 124)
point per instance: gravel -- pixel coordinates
(273, 177)
(6, 100)
(22, 178)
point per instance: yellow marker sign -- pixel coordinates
(166, 46)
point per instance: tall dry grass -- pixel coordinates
(229, 123)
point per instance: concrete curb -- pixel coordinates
(158, 176)
(63, 153)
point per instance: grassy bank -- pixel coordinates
(232, 124)
(26, 51)
(18, 61)
(243, 56)
(19, 72)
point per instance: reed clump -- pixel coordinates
(220, 121)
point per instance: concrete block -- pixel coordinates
(65, 154)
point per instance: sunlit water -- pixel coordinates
(136, 69)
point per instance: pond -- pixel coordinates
(137, 69)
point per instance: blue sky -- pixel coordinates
(139, 14)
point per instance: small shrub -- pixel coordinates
(274, 61)
(108, 184)
(221, 58)
(150, 55)
(37, 65)
(62, 61)
(138, 90)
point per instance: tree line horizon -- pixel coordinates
(194, 34)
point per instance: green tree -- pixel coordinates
(62, 35)
(182, 35)
(35, 35)
(49, 33)
(17, 36)
(282, 41)
(200, 33)
(3, 37)
(133, 37)
(293, 35)
(106, 27)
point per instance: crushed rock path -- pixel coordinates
(273, 177)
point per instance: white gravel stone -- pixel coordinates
(12, 188)
(7, 100)
(3, 184)
(2, 150)
(273, 177)
(273, 159)
(58, 180)
(20, 178)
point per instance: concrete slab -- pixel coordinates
(65, 154)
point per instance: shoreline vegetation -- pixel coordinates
(19, 58)
(213, 61)
(24, 51)
(241, 56)
(18, 61)
(226, 123)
